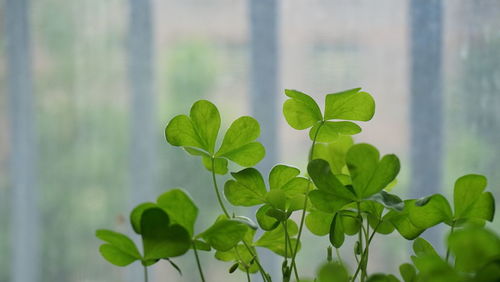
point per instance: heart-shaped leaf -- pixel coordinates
(280, 175)
(401, 221)
(430, 211)
(224, 234)
(241, 255)
(374, 211)
(423, 248)
(334, 152)
(120, 250)
(248, 188)
(275, 240)
(159, 238)
(266, 221)
(336, 232)
(333, 272)
(136, 214)
(301, 111)
(351, 104)
(470, 200)
(318, 222)
(180, 208)
(323, 178)
(408, 272)
(369, 174)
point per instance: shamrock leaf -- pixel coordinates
(247, 188)
(470, 200)
(119, 250)
(302, 112)
(180, 207)
(334, 153)
(224, 234)
(337, 231)
(198, 132)
(274, 239)
(241, 256)
(370, 174)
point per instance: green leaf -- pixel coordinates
(277, 199)
(483, 208)
(388, 200)
(350, 222)
(224, 234)
(280, 175)
(349, 105)
(327, 202)
(434, 268)
(201, 245)
(180, 207)
(301, 111)
(120, 242)
(136, 214)
(408, 272)
(180, 131)
(470, 201)
(334, 152)
(336, 232)
(369, 174)
(320, 173)
(430, 211)
(374, 212)
(247, 190)
(401, 221)
(206, 121)
(274, 240)
(333, 272)
(473, 248)
(318, 222)
(296, 186)
(238, 145)
(423, 248)
(331, 130)
(116, 256)
(265, 221)
(220, 164)
(242, 255)
(380, 277)
(161, 240)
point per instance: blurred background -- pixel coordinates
(87, 88)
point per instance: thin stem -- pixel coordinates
(448, 249)
(145, 274)
(256, 257)
(248, 275)
(338, 256)
(216, 188)
(198, 263)
(365, 252)
(303, 215)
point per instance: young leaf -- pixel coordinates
(275, 240)
(301, 111)
(336, 232)
(408, 272)
(248, 189)
(369, 174)
(280, 175)
(238, 145)
(180, 208)
(329, 131)
(224, 234)
(136, 214)
(120, 250)
(318, 222)
(334, 152)
(430, 211)
(265, 221)
(350, 105)
(159, 239)
(116, 256)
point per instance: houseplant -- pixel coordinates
(345, 192)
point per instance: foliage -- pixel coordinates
(346, 192)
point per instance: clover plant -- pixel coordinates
(346, 191)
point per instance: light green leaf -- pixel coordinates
(423, 248)
(483, 208)
(116, 256)
(468, 190)
(220, 164)
(430, 211)
(401, 221)
(206, 121)
(274, 240)
(333, 272)
(369, 175)
(320, 173)
(248, 188)
(281, 174)
(349, 105)
(119, 241)
(388, 200)
(136, 214)
(336, 232)
(301, 111)
(224, 234)
(318, 222)
(327, 202)
(350, 223)
(408, 272)
(180, 131)
(180, 207)
(331, 130)
(242, 254)
(277, 199)
(296, 186)
(238, 145)
(201, 245)
(334, 152)
(374, 212)
(265, 221)
(161, 240)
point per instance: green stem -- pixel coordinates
(365, 252)
(145, 274)
(448, 248)
(303, 215)
(256, 257)
(219, 198)
(295, 272)
(248, 275)
(198, 263)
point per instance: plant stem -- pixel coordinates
(295, 272)
(365, 252)
(198, 263)
(303, 215)
(248, 275)
(256, 257)
(216, 188)
(448, 248)
(145, 274)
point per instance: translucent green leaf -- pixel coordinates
(320, 173)
(277, 199)
(388, 200)
(408, 272)
(248, 188)
(180, 131)
(119, 241)
(369, 174)
(434, 268)
(220, 164)
(318, 222)
(224, 234)
(238, 144)
(274, 240)
(281, 174)
(468, 190)
(180, 208)
(423, 248)
(206, 120)
(336, 232)
(327, 202)
(349, 105)
(136, 214)
(334, 152)
(483, 208)
(430, 211)
(350, 222)
(116, 256)
(159, 239)
(374, 212)
(333, 272)
(401, 221)
(242, 255)
(201, 245)
(301, 111)
(331, 130)
(265, 221)
(473, 248)
(296, 186)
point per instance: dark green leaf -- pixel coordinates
(329, 131)
(301, 111)
(265, 221)
(247, 190)
(280, 175)
(318, 222)
(224, 234)
(349, 105)
(336, 232)
(136, 214)
(408, 272)
(180, 208)
(430, 211)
